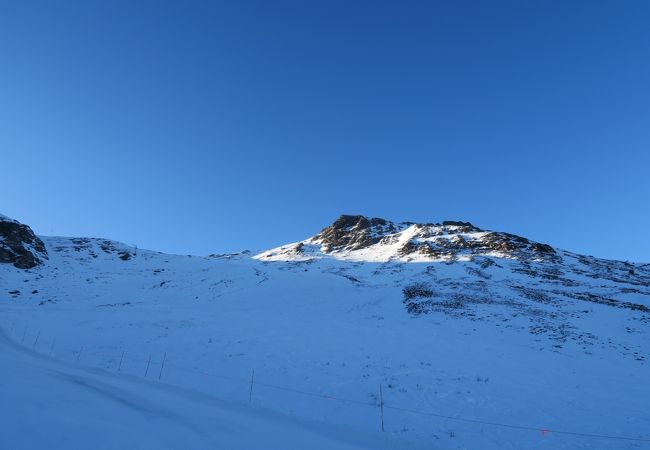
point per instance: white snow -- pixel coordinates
(54, 405)
(321, 335)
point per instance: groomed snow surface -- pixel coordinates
(47, 404)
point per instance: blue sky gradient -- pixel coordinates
(201, 127)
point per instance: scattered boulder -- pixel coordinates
(125, 255)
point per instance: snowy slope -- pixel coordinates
(49, 404)
(503, 337)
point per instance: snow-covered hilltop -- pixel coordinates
(359, 238)
(494, 266)
(463, 328)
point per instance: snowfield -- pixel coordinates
(49, 404)
(500, 344)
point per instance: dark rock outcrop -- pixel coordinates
(353, 233)
(435, 240)
(19, 245)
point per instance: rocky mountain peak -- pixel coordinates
(374, 238)
(353, 233)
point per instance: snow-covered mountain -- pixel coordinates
(494, 266)
(377, 240)
(480, 339)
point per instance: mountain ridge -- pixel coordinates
(348, 233)
(353, 236)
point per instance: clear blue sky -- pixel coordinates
(199, 127)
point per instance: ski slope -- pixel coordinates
(49, 404)
(493, 351)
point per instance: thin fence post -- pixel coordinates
(52, 347)
(381, 407)
(119, 367)
(24, 334)
(79, 354)
(147, 370)
(162, 366)
(36, 340)
(250, 393)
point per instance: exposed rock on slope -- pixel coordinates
(19, 245)
(353, 233)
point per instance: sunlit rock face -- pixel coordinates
(376, 239)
